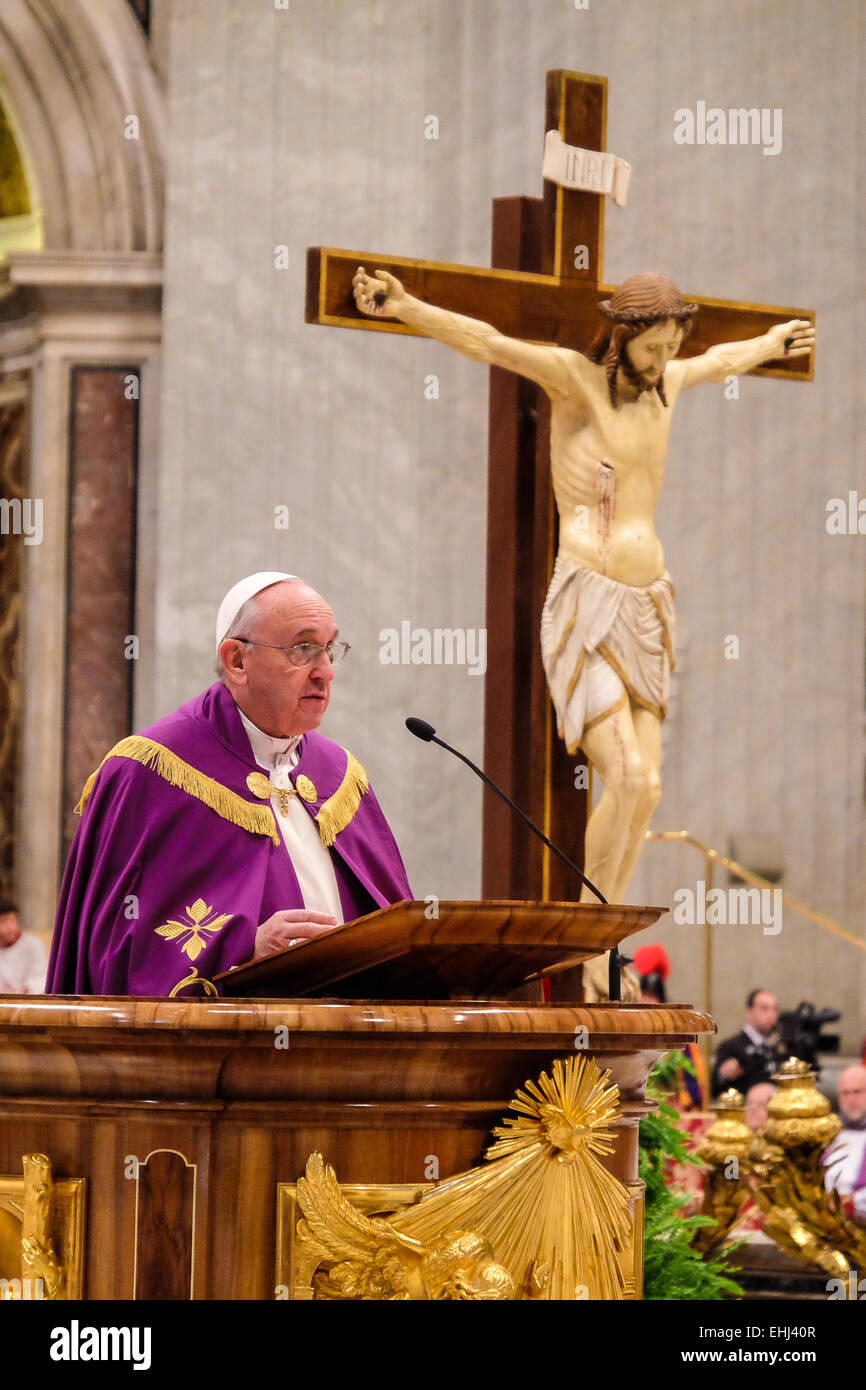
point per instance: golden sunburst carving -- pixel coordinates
(556, 1218)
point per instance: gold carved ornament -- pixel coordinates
(38, 1259)
(780, 1167)
(38, 1217)
(728, 1137)
(541, 1219)
(800, 1215)
(366, 1259)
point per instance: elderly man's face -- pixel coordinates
(757, 1099)
(651, 351)
(852, 1093)
(9, 929)
(282, 699)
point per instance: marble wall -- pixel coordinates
(304, 126)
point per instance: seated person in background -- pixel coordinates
(653, 967)
(231, 828)
(845, 1158)
(758, 1098)
(751, 1055)
(22, 956)
(749, 1223)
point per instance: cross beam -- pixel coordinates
(539, 308)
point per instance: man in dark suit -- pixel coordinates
(750, 1056)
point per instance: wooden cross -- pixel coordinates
(537, 292)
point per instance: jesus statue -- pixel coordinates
(607, 628)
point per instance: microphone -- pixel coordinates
(421, 729)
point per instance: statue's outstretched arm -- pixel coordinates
(382, 296)
(731, 359)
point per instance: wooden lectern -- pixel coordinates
(173, 1132)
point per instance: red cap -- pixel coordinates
(652, 960)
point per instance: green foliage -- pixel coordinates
(673, 1269)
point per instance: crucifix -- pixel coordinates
(545, 288)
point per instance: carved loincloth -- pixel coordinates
(603, 643)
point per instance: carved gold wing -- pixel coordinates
(364, 1257)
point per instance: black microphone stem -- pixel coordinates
(421, 729)
(522, 814)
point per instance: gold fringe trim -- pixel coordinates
(249, 815)
(335, 813)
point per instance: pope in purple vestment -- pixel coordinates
(178, 859)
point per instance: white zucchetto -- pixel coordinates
(238, 595)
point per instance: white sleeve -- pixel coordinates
(834, 1162)
(35, 966)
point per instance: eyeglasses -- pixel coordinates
(304, 653)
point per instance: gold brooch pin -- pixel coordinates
(262, 787)
(305, 788)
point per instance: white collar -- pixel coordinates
(753, 1034)
(269, 751)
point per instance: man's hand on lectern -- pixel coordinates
(289, 927)
(380, 296)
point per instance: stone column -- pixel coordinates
(13, 466)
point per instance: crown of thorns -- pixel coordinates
(642, 315)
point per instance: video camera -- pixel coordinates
(800, 1031)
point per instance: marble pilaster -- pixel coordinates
(59, 312)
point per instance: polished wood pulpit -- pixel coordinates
(176, 1129)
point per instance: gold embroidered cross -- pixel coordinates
(200, 920)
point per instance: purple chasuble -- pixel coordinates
(162, 889)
